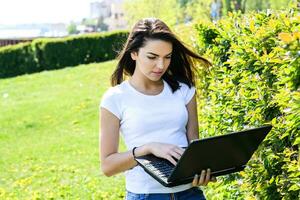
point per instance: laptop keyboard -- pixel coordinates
(161, 168)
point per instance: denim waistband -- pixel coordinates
(194, 193)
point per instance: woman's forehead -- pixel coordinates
(159, 47)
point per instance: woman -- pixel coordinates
(154, 109)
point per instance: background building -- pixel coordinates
(109, 12)
(100, 9)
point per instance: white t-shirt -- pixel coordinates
(149, 118)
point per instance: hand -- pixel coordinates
(166, 151)
(203, 179)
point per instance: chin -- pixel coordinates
(155, 78)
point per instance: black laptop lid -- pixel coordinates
(229, 151)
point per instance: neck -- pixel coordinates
(146, 86)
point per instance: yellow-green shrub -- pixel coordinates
(255, 79)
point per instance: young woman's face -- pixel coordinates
(153, 60)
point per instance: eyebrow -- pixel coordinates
(157, 54)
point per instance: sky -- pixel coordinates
(14, 12)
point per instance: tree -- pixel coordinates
(235, 5)
(257, 5)
(100, 25)
(262, 5)
(167, 10)
(72, 28)
(197, 10)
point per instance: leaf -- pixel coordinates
(294, 187)
(296, 35)
(285, 37)
(252, 26)
(297, 141)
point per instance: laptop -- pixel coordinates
(223, 154)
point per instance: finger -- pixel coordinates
(171, 159)
(202, 177)
(195, 181)
(175, 155)
(213, 179)
(207, 177)
(179, 150)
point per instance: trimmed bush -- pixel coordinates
(16, 59)
(56, 53)
(255, 80)
(72, 51)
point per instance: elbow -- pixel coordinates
(106, 170)
(107, 173)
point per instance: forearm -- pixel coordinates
(192, 132)
(120, 162)
(192, 125)
(192, 136)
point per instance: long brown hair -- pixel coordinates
(182, 67)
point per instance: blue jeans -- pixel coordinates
(193, 193)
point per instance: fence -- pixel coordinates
(5, 42)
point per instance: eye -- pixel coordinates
(151, 57)
(168, 57)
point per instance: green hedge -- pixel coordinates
(56, 53)
(255, 79)
(16, 59)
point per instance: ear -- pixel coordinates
(134, 55)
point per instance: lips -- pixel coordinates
(157, 73)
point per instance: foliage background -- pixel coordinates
(48, 120)
(254, 80)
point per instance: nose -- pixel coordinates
(160, 64)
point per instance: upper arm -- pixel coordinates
(109, 133)
(192, 125)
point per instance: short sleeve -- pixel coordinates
(110, 101)
(187, 92)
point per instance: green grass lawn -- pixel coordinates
(49, 135)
